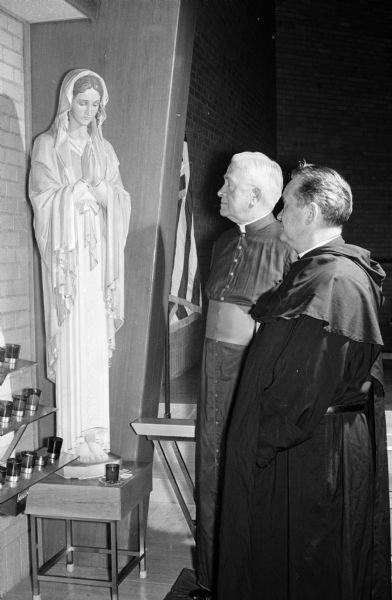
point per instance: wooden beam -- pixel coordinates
(90, 8)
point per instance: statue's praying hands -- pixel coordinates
(91, 174)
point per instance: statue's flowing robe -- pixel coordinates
(82, 251)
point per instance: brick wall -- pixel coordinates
(334, 103)
(231, 109)
(16, 322)
(231, 104)
(15, 216)
(16, 304)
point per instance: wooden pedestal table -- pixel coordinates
(89, 501)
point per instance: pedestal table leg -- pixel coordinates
(114, 559)
(69, 545)
(34, 558)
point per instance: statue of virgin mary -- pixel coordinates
(81, 221)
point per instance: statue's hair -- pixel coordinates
(263, 173)
(86, 83)
(326, 188)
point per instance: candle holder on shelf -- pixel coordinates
(6, 409)
(19, 405)
(32, 396)
(12, 354)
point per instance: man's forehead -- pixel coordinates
(230, 170)
(233, 172)
(290, 188)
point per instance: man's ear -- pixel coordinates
(312, 211)
(256, 194)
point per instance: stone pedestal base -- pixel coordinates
(80, 470)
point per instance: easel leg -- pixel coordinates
(180, 499)
(142, 538)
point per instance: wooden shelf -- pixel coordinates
(16, 424)
(5, 369)
(13, 495)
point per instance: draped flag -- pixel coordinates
(185, 293)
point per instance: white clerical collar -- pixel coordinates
(300, 255)
(242, 226)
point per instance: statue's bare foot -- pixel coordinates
(98, 452)
(91, 452)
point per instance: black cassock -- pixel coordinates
(305, 512)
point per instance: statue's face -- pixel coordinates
(84, 107)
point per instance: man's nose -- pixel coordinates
(279, 216)
(221, 191)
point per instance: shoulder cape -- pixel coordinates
(338, 284)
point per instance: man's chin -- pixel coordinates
(283, 237)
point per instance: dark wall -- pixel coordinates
(334, 101)
(231, 105)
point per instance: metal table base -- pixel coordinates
(115, 577)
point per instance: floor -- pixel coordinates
(169, 550)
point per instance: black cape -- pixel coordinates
(305, 509)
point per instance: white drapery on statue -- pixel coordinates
(81, 244)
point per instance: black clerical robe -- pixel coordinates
(305, 505)
(245, 264)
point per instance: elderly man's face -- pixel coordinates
(236, 196)
(293, 217)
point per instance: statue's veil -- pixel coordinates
(59, 127)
